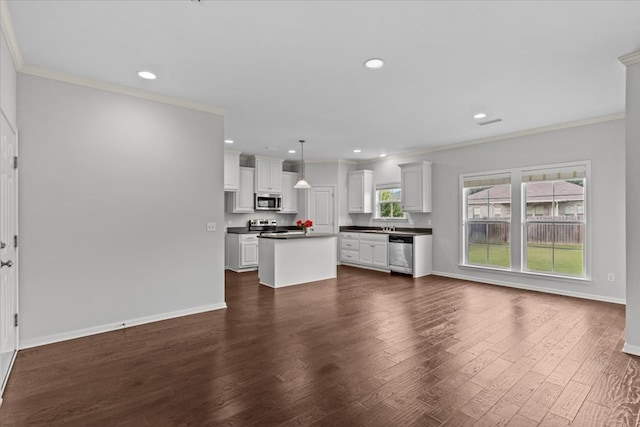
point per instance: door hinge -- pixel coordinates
(15, 320)
(15, 241)
(15, 162)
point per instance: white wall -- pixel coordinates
(602, 143)
(7, 83)
(114, 199)
(632, 338)
(343, 197)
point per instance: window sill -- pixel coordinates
(390, 220)
(569, 279)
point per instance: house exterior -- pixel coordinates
(552, 209)
(545, 200)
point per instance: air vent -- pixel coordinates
(489, 122)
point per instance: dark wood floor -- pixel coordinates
(365, 349)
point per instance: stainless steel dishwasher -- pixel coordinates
(401, 254)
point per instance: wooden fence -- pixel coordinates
(558, 233)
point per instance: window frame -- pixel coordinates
(466, 220)
(518, 213)
(525, 221)
(378, 202)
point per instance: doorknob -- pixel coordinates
(3, 245)
(6, 264)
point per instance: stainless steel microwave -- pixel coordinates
(268, 202)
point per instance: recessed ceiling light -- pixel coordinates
(148, 75)
(357, 151)
(480, 116)
(374, 63)
(292, 151)
(383, 155)
(228, 141)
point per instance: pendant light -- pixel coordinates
(302, 183)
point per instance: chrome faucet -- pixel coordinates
(388, 227)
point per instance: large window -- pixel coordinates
(388, 202)
(487, 220)
(554, 221)
(552, 209)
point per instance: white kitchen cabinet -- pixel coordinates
(289, 194)
(249, 253)
(416, 186)
(350, 248)
(268, 177)
(242, 252)
(374, 250)
(360, 191)
(231, 170)
(422, 255)
(241, 201)
(367, 250)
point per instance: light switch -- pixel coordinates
(211, 226)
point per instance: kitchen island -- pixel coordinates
(286, 260)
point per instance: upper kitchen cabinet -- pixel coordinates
(268, 175)
(241, 201)
(360, 191)
(289, 194)
(416, 186)
(231, 170)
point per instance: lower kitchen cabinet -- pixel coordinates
(365, 250)
(371, 250)
(242, 252)
(374, 250)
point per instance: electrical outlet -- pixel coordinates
(611, 277)
(211, 226)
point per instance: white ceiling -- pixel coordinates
(289, 70)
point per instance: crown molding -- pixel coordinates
(528, 132)
(6, 25)
(123, 90)
(630, 58)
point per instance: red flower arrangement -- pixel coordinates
(303, 225)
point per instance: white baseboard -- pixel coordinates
(6, 379)
(533, 288)
(241, 270)
(631, 349)
(50, 339)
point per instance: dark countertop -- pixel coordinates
(298, 236)
(245, 230)
(409, 231)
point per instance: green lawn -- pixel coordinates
(568, 258)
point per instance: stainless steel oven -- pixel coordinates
(268, 201)
(401, 254)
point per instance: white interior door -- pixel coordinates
(321, 209)
(8, 249)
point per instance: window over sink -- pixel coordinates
(388, 198)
